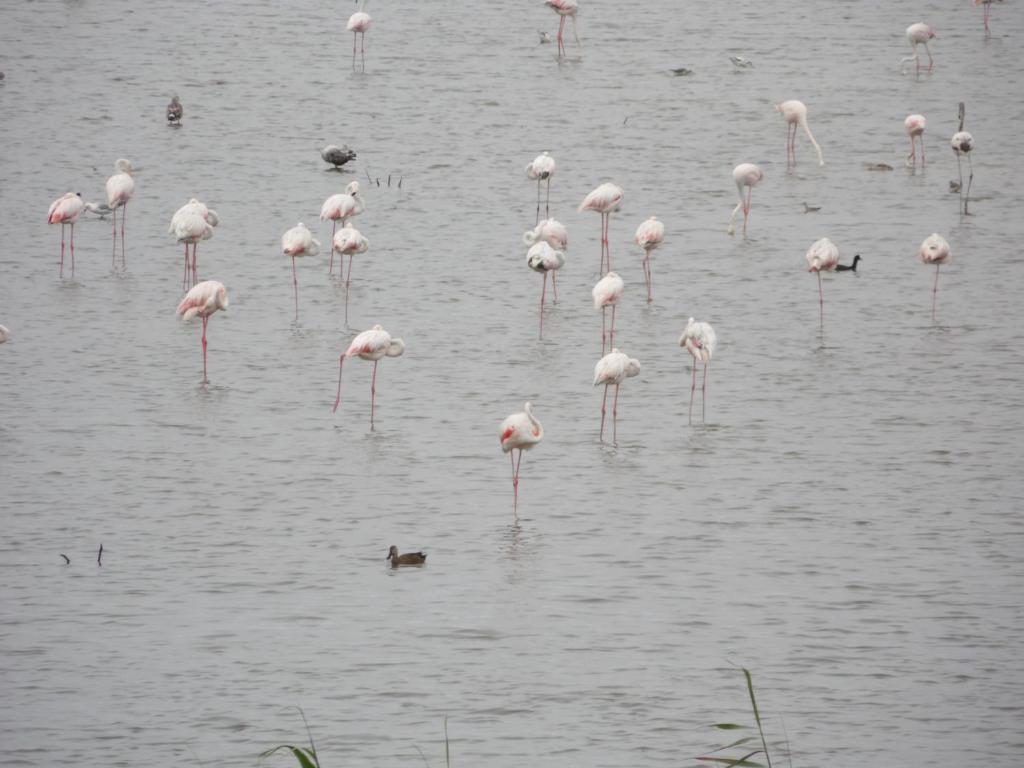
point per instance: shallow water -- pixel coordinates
(846, 524)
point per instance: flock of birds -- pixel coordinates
(547, 242)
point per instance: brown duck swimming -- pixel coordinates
(409, 558)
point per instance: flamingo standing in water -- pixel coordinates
(614, 368)
(699, 340)
(606, 294)
(822, 255)
(358, 23)
(298, 241)
(373, 344)
(542, 169)
(745, 175)
(987, 9)
(551, 231)
(914, 126)
(120, 188)
(66, 210)
(342, 207)
(962, 144)
(348, 240)
(564, 8)
(543, 258)
(605, 199)
(190, 224)
(935, 250)
(203, 300)
(649, 235)
(916, 35)
(520, 431)
(795, 114)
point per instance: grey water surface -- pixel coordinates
(847, 523)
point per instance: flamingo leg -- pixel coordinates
(604, 402)
(334, 227)
(341, 365)
(960, 171)
(554, 285)
(615, 417)
(821, 301)
(113, 253)
(935, 290)
(987, 7)
(206, 319)
(515, 484)
(124, 215)
(746, 210)
(62, 249)
(611, 337)
(184, 274)
(362, 49)
(536, 220)
(543, 290)
(561, 29)
(348, 279)
(921, 139)
(704, 396)
(72, 246)
(373, 391)
(693, 386)
(607, 247)
(354, 34)
(931, 62)
(604, 333)
(547, 200)
(195, 263)
(970, 180)
(295, 282)
(650, 281)
(912, 157)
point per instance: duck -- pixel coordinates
(849, 267)
(409, 558)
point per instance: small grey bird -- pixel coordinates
(811, 208)
(174, 111)
(544, 36)
(954, 186)
(337, 156)
(740, 62)
(682, 72)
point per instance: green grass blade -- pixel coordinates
(734, 744)
(727, 726)
(757, 714)
(447, 750)
(299, 752)
(729, 762)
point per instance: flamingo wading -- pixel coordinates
(649, 235)
(203, 300)
(605, 199)
(606, 294)
(341, 207)
(914, 126)
(746, 175)
(519, 432)
(374, 345)
(298, 241)
(614, 368)
(699, 340)
(564, 8)
(120, 188)
(543, 258)
(66, 210)
(935, 250)
(541, 169)
(795, 114)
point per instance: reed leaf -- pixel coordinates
(306, 758)
(757, 714)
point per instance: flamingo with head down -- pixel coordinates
(374, 344)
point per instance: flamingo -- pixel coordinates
(373, 344)
(542, 169)
(520, 431)
(120, 188)
(298, 241)
(5, 334)
(822, 255)
(916, 34)
(175, 111)
(962, 144)
(564, 8)
(606, 294)
(649, 235)
(614, 368)
(190, 224)
(342, 207)
(358, 23)
(988, 9)
(745, 175)
(66, 210)
(699, 340)
(543, 258)
(203, 300)
(605, 199)
(348, 240)
(914, 125)
(551, 231)
(795, 113)
(935, 250)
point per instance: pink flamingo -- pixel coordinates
(935, 250)
(795, 113)
(550, 231)
(745, 175)
(606, 294)
(564, 8)
(373, 344)
(605, 199)
(66, 210)
(822, 255)
(520, 431)
(543, 258)
(358, 23)
(699, 340)
(962, 144)
(542, 169)
(614, 368)
(298, 241)
(916, 35)
(988, 8)
(203, 300)
(342, 207)
(120, 188)
(348, 240)
(190, 224)
(914, 126)
(649, 235)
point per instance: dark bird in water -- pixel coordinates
(544, 37)
(682, 72)
(409, 558)
(811, 208)
(849, 267)
(174, 111)
(99, 556)
(877, 167)
(337, 156)
(67, 560)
